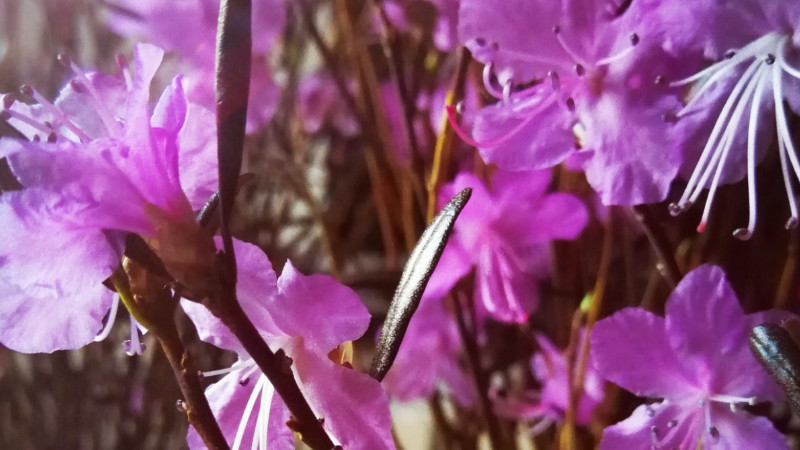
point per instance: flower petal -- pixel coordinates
(654, 371)
(353, 404)
(323, 311)
(56, 302)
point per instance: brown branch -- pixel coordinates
(276, 367)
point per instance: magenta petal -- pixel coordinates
(632, 162)
(705, 324)
(52, 303)
(636, 432)
(198, 155)
(353, 404)
(557, 216)
(654, 371)
(743, 430)
(318, 308)
(170, 111)
(210, 329)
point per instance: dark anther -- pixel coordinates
(580, 70)
(480, 42)
(52, 137)
(669, 117)
(181, 406)
(730, 54)
(634, 38)
(64, 60)
(770, 59)
(571, 104)
(244, 381)
(26, 90)
(76, 86)
(8, 100)
(556, 29)
(660, 80)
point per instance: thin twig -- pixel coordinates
(275, 367)
(444, 142)
(655, 234)
(478, 375)
(156, 310)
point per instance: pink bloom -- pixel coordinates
(429, 358)
(100, 163)
(504, 234)
(697, 360)
(550, 404)
(307, 317)
(193, 39)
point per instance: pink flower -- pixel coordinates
(697, 360)
(99, 164)
(308, 317)
(504, 234)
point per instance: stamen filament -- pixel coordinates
(730, 132)
(751, 156)
(112, 317)
(450, 109)
(572, 54)
(11, 114)
(488, 84)
(105, 115)
(693, 188)
(55, 112)
(248, 409)
(620, 55)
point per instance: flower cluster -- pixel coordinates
(553, 117)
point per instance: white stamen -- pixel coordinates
(104, 113)
(733, 399)
(572, 54)
(693, 187)
(780, 118)
(487, 81)
(751, 155)
(248, 409)
(760, 45)
(730, 132)
(55, 112)
(507, 86)
(133, 346)
(11, 114)
(240, 364)
(112, 316)
(620, 55)
(787, 182)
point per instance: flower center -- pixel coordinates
(767, 65)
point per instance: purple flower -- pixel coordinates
(319, 103)
(193, 38)
(593, 95)
(549, 405)
(309, 318)
(697, 360)
(732, 106)
(428, 358)
(99, 163)
(504, 234)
